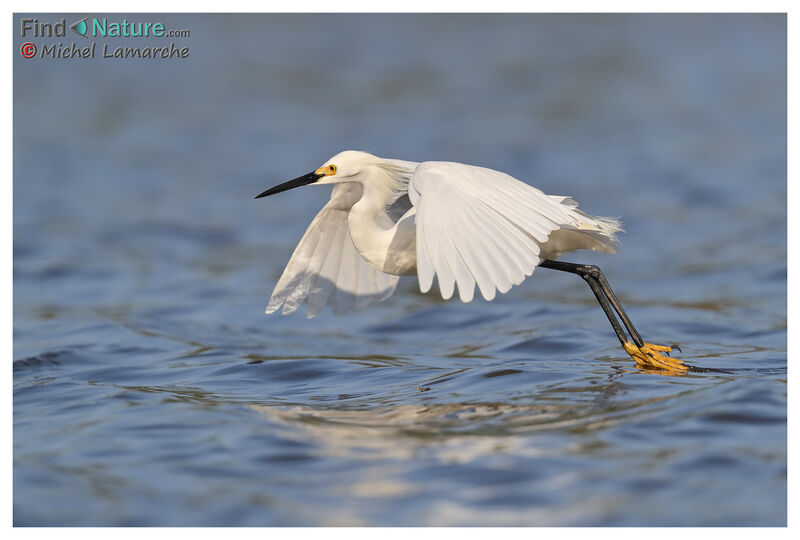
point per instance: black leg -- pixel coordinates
(598, 292)
(601, 280)
(605, 295)
(645, 354)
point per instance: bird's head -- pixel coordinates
(343, 167)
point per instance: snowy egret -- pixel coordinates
(464, 224)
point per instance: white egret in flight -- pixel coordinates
(466, 225)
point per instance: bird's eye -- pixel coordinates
(332, 168)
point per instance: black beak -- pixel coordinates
(304, 180)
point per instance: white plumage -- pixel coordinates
(462, 224)
(325, 268)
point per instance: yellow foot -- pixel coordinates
(649, 356)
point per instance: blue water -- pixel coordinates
(151, 389)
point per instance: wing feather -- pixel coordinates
(326, 269)
(505, 269)
(484, 227)
(436, 247)
(458, 263)
(502, 245)
(347, 285)
(310, 271)
(323, 291)
(476, 257)
(365, 289)
(425, 269)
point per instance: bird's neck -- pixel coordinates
(372, 235)
(372, 203)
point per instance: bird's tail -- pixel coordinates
(596, 233)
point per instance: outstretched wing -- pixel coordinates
(326, 268)
(484, 227)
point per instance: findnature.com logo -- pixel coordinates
(100, 28)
